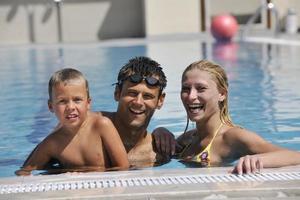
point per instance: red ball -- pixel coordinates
(223, 27)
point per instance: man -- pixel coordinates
(139, 92)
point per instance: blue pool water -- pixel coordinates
(264, 88)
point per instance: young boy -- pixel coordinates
(82, 139)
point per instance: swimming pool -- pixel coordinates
(263, 78)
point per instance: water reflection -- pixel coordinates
(225, 51)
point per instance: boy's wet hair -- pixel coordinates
(145, 67)
(65, 76)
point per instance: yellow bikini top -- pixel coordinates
(204, 156)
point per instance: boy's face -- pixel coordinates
(70, 103)
(137, 103)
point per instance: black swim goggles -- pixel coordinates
(138, 78)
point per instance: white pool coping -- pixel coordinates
(188, 183)
(279, 41)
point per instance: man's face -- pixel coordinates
(137, 103)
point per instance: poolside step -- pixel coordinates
(145, 181)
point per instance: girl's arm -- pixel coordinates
(254, 163)
(257, 153)
(164, 141)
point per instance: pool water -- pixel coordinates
(263, 78)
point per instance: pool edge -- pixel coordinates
(253, 189)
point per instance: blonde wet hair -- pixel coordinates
(219, 76)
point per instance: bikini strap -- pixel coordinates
(198, 156)
(207, 148)
(216, 133)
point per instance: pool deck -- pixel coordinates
(191, 183)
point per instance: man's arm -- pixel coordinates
(164, 141)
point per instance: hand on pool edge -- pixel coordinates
(23, 172)
(248, 164)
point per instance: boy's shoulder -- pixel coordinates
(52, 141)
(54, 136)
(106, 114)
(100, 120)
(99, 117)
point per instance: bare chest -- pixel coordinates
(142, 155)
(79, 153)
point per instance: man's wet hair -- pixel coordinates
(145, 67)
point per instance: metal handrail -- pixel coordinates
(58, 4)
(264, 6)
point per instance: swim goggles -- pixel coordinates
(138, 78)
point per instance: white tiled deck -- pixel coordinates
(201, 183)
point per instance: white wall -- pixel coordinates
(233, 6)
(172, 16)
(23, 22)
(97, 20)
(35, 21)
